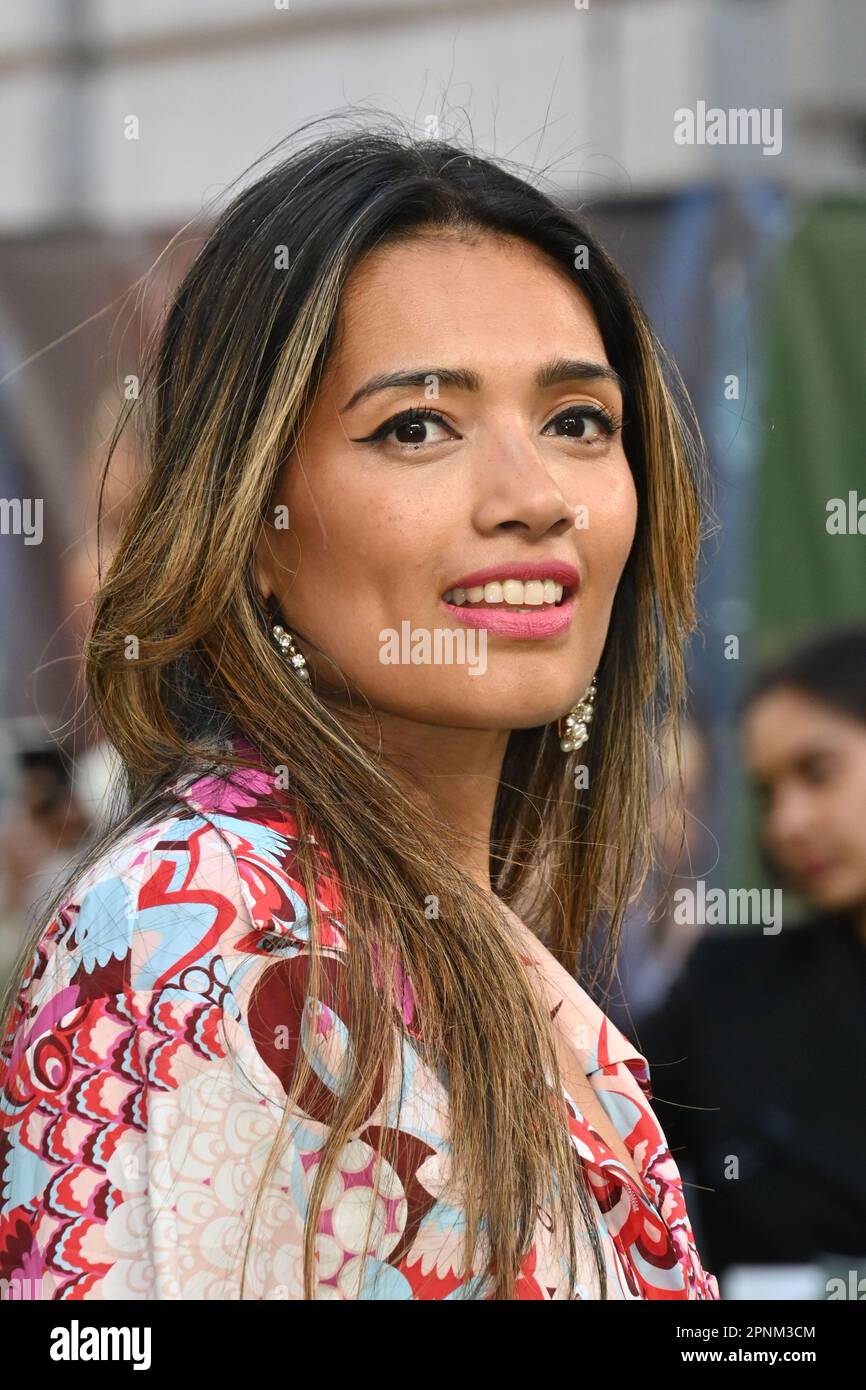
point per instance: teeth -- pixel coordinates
(530, 593)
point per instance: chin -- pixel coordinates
(839, 897)
(517, 711)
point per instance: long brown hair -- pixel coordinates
(222, 406)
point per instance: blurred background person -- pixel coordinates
(779, 1162)
(42, 827)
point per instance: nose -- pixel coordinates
(517, 492)
(790, 820)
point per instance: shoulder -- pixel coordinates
(158, 897)
(160, 1021)
(226, 855)
(171, 905)
(126, 980)
(255, 818)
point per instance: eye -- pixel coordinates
(819, 768)
(411, 429)
(588, 424)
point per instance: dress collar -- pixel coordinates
(595, 1038)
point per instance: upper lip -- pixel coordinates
(557, 570)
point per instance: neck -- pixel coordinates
(458, 770)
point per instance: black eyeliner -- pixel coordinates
(610, 423)
(404, 417)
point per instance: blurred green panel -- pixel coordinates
(814, 411)
(815, 414)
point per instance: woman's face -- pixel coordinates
(374, 522)
(808, 764)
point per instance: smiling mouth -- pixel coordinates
(511, 595)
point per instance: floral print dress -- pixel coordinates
(145, 1071)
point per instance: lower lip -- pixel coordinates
(817, 869)
(546, 622)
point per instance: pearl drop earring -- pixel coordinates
(286, 644)
(576, 721)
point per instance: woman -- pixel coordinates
(779, 1163)
(292, 1013)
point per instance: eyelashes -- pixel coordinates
(608, 423)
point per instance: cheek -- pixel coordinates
(848, 809)
(363, 559)
(334, 530)
(610, 521)
(347, 514)
(781, 840)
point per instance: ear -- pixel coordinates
(262, 564)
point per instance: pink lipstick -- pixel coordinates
(521, 622)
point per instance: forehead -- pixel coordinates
(443, 297)
(785, 725)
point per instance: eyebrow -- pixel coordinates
(553, 373)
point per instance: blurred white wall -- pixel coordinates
(213, 83)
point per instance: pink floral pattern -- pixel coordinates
(146, 1069)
